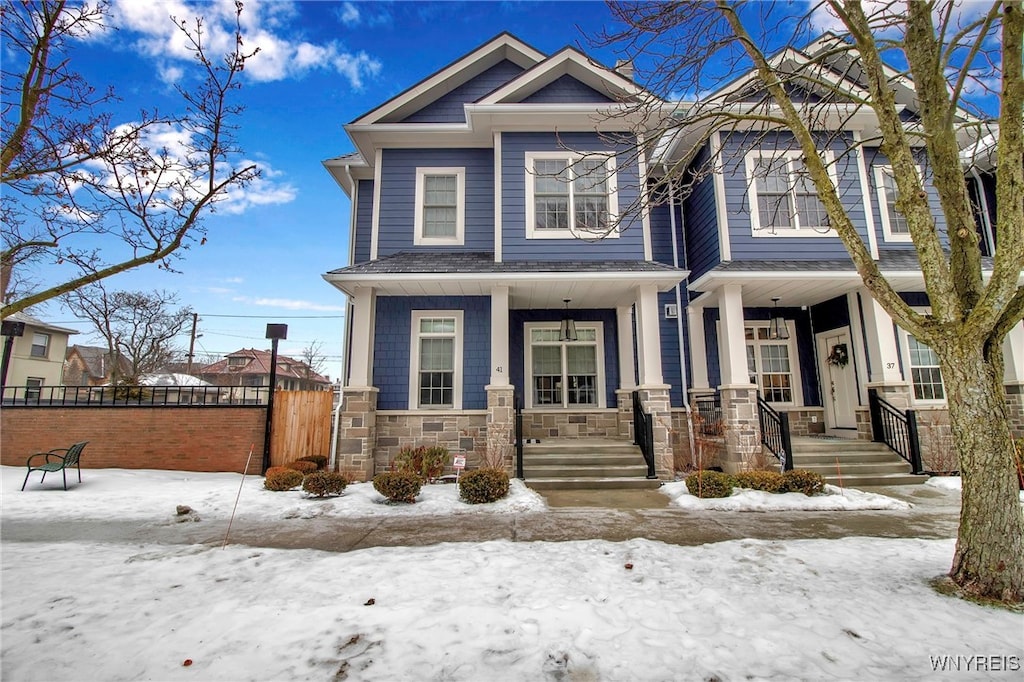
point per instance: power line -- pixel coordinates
(280, 317)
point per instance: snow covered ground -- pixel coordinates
(855, 608)
(833, 499)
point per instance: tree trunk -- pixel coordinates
(989, 558)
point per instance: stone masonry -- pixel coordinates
(742, 429)
(357, 433)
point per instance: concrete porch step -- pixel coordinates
(575, 459)
(585, 463)
(588, 471)
(609, 483)
(853, 468)
(804, 459)
(867, 480)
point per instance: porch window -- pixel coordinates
(568, 194)
(40, 345)
(440, 206)
(770, 366)
(925, 373)
(783, 198)
(435, 380)
(894, 223)
(565, 373)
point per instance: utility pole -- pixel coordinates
(192, 343)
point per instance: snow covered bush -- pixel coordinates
(483, 485)
(768, 481)
(704, 484)
(803, 481)
(324, 483)
(398, 486)
(282, 478)
(302, 466)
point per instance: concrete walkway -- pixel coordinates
(572, 515)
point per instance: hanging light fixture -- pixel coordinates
(777, 328)
(567, 332)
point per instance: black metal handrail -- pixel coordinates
(134, 396)
(775, 433)
(519, 435)
(643, 433)
(709, 413)
(896, 428)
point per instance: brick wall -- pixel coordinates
(188, 439)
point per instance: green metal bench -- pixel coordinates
(53, 461)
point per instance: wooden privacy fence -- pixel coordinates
(302, 425)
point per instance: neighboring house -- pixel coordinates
(251, 367)
(504, 250)
(37, 356)
(91, 366)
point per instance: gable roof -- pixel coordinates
(259, 364)
(503, 46)
(96, 360)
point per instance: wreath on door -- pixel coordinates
(839, 355)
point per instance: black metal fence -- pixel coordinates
(134, 396)
(775, 433)
(895, 428)
(709, 415)
(643, 433)
(516, 400)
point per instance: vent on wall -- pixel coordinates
(671, 311)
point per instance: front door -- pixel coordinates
(838, 379)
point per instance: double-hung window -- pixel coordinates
(565, 374)
(783, 198)
(40, 345)
(894, 223)
(925, 373)
(436, 366)
(440, 206)
(569, 195)
(771, 365)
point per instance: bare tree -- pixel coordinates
(83, 190)
(723, 61)
(313, 358)
(138, 327)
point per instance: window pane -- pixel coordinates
(773, 210)
(437, 355)
(439, 222)
(437, 325)
(591, 212)
(436, 388)
(547, 360)
(897, 222)
(591, 177)
(811, 211)
(582, 390)
(551, 176)
(586, 334)
(40, 345)
(582, 359)
(774, 358)
(551, 212)
(440, 190)
(544, 335)
(925, 371)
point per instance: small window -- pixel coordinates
(40, 345)
(33, 387)
(783, 198)
(440, 206)
(435, 380)
(238, 361)
(925, 373)
(894, 223)
(570, 195)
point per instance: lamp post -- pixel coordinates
(9, 329)
(275, 332)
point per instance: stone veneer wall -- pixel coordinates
(1015, 409)
(462, 432)
(806, 421)
(561, 424)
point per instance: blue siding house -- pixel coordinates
(512, 250)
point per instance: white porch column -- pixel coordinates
(499, 336)
(883, 355)
(627, 368)
(648, 335)
(732, 344)
(698, 348)
(1013, 356)
(361, 354)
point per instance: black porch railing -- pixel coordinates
(709, 415)
(775, 433)
(896, 428)
(134, 396)
(643, 433)
(517, 401)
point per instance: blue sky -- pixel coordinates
(266, 261)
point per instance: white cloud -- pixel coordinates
(349, 14)
(264, 25)
(170, 74)
(289, 304)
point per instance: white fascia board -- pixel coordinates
(567, 62)
(504, 46)
(344, 172)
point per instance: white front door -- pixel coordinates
(838, 378)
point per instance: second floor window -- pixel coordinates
(40, 345)
(894, 223)
(440, 210)
(783, 198)
(568, 195)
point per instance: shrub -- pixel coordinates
(705, 484)
(803, 481)
(282, 478)
(302, 466)
(319, 460)
(427, 463)
(768, 481)
(324, 483)
(398, 486)
(483, 485)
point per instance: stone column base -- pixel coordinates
(501, 428)
(657, 403)
(624, 415)
(357, 433)
(741, 425)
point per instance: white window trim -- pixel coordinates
(46, 346)
(613, 198)
(755, 214)
(908, 374)
(528, 365)
(794, 359)
(460, 206)
(883, 203)
(414, 359)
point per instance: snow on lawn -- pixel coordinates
(833, 499)
(953, 483)
(855, 608)
(151, 493)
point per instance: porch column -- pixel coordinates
(1013, 378)
(357, 425)
(698, 351)
(627, 371)
(885, 374)
(739, 396)
(654, 392)
(500, 436)
(499, 336)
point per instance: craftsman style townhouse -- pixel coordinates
(504, 250)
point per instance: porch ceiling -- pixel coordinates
(795, 288)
